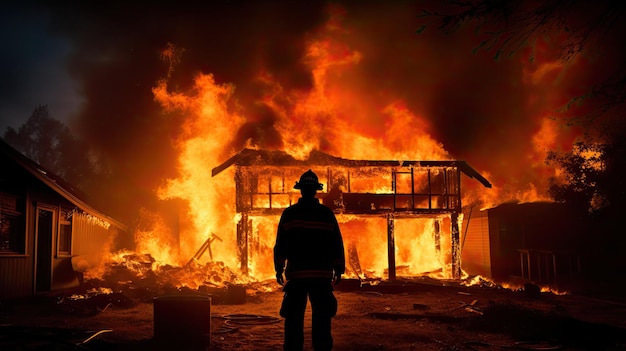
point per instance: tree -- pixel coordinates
(52, 145)
(582, 174)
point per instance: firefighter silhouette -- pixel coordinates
(308, 239)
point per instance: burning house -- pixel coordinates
(384, 207)
(48, 233)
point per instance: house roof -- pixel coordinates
(250, 157)
(56, 183)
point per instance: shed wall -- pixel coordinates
(476, 250)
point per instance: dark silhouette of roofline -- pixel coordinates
(251, 157)
(56, 183)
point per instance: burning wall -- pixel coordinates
(374, 200)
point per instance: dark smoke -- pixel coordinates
(116, 57)
(478, 108)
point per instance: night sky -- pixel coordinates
(33, 67)
(95, 65)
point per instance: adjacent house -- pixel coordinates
(49, 234)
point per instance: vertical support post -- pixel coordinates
(240, 205)
(454, 219)
(430, 192)
(456, 247)
(393, 189)
(412, 188)
(437, 234)
(330, 184)
(445, 194)
(391, 247)
(457, 176)
(243, 229)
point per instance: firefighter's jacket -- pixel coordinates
(309, 239)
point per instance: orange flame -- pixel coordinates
(334, 116)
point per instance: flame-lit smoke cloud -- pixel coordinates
(117, 58)
(493, 114)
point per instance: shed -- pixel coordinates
(49, 234)
(535, 242)
(391, 189)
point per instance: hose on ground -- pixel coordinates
(233, 321)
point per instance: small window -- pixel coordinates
(64, 244)
(12, 233)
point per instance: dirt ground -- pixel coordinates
(413, 314)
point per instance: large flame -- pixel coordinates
(336, 116)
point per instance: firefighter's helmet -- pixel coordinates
(309, 180)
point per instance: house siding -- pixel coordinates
(91, 240)
(17, 276)
(476, 247)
